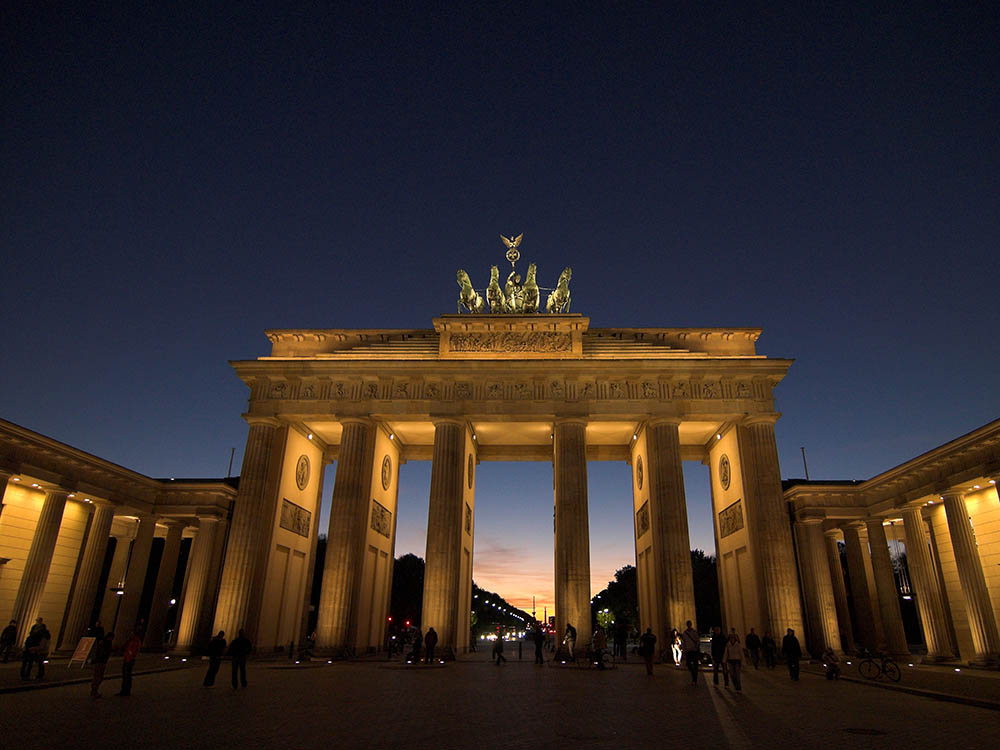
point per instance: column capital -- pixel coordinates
(457, 421)
(912, 505)
(172, 523)
(809, 521)
(833, 533)
(770, 418)
(858, 525)
(560, 421)
(661, 421)
(254, 420)
(945, 494)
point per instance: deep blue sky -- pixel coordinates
(177, 178)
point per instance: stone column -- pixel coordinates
(572, 530)
(767, 517)
(839, 589)
(674, 583)
(36, 567)
(925, 584)
(443, 567)
(888, 594)
(116, 577)
(195, 593)
(865, 617)
(84, 593)
(982, 622)
(135, 579)
(4, 479)
(164, 585)
(254, 512)
(336, 627)
(820, 604)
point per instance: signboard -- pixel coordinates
(82, 652)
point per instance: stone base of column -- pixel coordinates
(985, 662)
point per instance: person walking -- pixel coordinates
(792, 652)
(28, 653)
(7, 639)
(498, 651)
(216, 648)
(768, 647)
(42, 650)
(101, 654)
(691, 644)
(239, 650)
(569, 639)
(647, 649)
(752, 642)
(132, 646)
(600, 646)
(734, 659)
(675, 647)
(430, 641)
(719, 642)
(539, 642)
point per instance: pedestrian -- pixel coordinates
(539, 642)
(600, 646)
(719, 642)
(7, 640)
(132, 646)
(42, 649)
(691, 644)
(832, 663)
(101, 654)
(647, 649)
(569, 639)
(418, 642)
(239, 650)
(768, 647)
(498, 651)
(621, 641)
(216, 648)
(96, 631)
(675, 646)
(734, 659)
(752, 642)
(792, 652)
(430, 641)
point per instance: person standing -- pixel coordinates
(691, 644)
(621, 641)
(734, 659)
(539, 642)
(498, 651)
(239, 650)
(101, 654)
(7, 640)
(570, 640)
(430, 641)
(132, 646)
(42, 652)
(832, 663)
(216, 648)
(28, 653)
(768, 646)
(675, 647)
(600, 646)
(719, 642)
(752, 642)
(647, 649)
(792, 652)
(418, 643)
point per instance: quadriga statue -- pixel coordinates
(469, 297)
(559, 298)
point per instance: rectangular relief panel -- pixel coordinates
(295, 518)
(381, 519)
(731, 519)
(642, 520)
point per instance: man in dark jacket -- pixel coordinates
(430, 641)
(792, 652)
(239, 650)
(216, 648)
(7, 640)
(719, 642)
(752, 642)
(647, 649)
(101, 654)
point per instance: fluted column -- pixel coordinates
(164, 585)
(84, 592)
(673, 586)
(116, 578)
(36, 567)
(199, 565)
(338, 604)
(443, 566)
(865, 613)
(572, 532)
(254, 512)
(135, 579)
(821, 608)
(930, 605)
(767, 516)
(839, 589)
(982, 622)
(885, 586)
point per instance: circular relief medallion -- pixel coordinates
(638, 471)
(302, 472)
(386, 472)
(469, 472)
(725, 471)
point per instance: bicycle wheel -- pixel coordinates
(890, 670)
(869, 669)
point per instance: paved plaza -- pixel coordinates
(475, 704)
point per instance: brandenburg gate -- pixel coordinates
(502, 382)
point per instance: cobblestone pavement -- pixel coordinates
(476, 704)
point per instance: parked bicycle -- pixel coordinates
(875, 667)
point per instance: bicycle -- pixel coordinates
(874, 667)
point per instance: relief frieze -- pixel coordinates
(511, 341)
